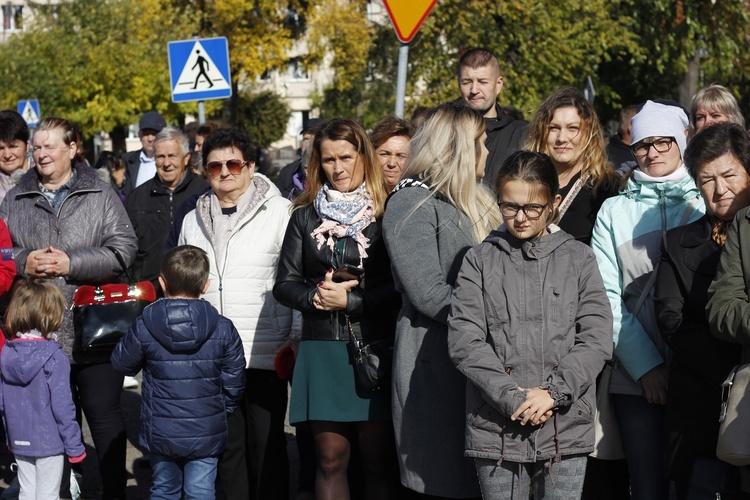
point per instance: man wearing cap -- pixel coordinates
(285, 181)
(140, 165)
(480, 82)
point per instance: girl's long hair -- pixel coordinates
(596, 169)
(444, 153)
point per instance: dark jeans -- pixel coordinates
(96, 390)
(254, 464)
(642, 430)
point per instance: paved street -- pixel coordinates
(139, 474)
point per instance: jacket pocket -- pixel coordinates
(555, 312)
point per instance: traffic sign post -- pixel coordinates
(199, 70)
(407, 18)
(29, 110)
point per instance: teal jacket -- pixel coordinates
(626, 241)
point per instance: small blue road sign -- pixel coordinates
(199, 69)
(29, 109)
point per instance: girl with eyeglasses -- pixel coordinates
(434, 215)
(657, 196)
(530, 327)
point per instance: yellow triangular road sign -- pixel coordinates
(408, 15)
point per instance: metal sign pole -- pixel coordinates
(201, 113)
(403, 59)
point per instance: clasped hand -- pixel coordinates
(537, 408)
(330, 295)
(47, 263)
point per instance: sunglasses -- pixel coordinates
(234, 166)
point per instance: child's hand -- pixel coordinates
(537, 408)
(78, 459)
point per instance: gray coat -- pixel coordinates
(529, 314)
(427, 238)
(91, 218)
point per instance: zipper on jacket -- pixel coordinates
(171, 208)
(663, 204)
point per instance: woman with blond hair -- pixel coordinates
(336, 225)
(714, 104)
(435, 214)
(566, 128)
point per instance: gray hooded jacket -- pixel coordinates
(529, 314)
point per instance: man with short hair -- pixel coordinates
(14, 146)
(140, 166)
(618, 149)
(151, 207)
(480, 82)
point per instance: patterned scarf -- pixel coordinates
(719, 231)
(342, 215)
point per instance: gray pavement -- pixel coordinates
(139, 473)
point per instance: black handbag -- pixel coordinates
(102, 314)
(373, 361)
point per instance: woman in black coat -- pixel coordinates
(719, 160)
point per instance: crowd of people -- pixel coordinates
(514, 280)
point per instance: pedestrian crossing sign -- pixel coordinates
(29, 110)
(199, 69)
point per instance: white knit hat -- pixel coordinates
(660, 120)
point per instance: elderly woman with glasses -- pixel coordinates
(658, 195)
(241, 223)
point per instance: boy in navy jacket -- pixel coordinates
(193, 375)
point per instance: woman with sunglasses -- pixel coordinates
(336, 225)
(658, 195)
(566, 128)
(240, 223)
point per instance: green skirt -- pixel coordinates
(324, 387)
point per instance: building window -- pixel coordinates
(12, 17)
(297, 72)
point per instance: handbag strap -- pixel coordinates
(119, 258)
(565, 205)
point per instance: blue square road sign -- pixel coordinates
(29, 110)
(199, 69)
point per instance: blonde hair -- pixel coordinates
(342, 129)
(716, 97)
(445, 151)
(35, 305)
(596, 169)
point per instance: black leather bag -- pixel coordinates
(373, 361)
(102, 314)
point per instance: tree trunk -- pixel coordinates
(689, 85)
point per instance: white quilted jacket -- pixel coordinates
(242, 289)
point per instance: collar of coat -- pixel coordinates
(88, 179)
(535, 248)
(263, 190)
